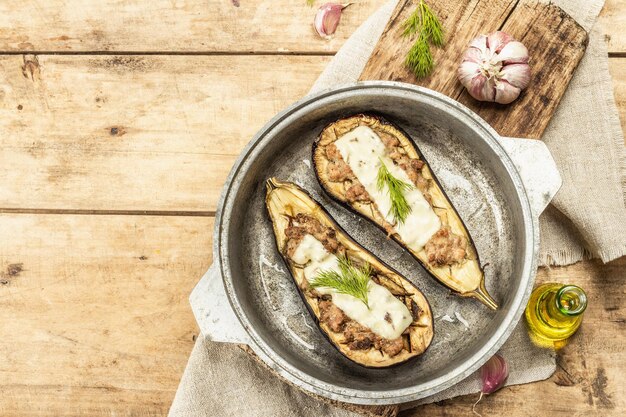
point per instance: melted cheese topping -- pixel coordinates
(382, 303)
(362, 149)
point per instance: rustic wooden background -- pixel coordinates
(119, 123)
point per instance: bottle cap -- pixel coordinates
(571, 300)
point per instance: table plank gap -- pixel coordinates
(196, 25)
(170, 53)
(181, 213)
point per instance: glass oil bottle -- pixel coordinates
(554, 313)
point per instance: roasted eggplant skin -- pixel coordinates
(474, 289)
(421, 329)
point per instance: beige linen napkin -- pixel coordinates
(587, 218)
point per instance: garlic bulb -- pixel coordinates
(327, 18)
(495, 68)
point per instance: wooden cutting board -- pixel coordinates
(556, 43)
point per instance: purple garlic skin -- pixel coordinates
(495, 68)
(327, 19)
(494, 374)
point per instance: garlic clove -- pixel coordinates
(475, 87)
(513, 53)
(482, 88)
(479, 43)
(467, 71)
(327, 19)
(505, 92)
(473, 55)
(497, 40)
(489, 89)
(494, 374)
(516, 74)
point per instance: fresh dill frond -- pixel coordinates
(396, 188)
(432, 26)
(419, 58)
(350, 279)
(423, 23)
(412, 24)
(310, 2)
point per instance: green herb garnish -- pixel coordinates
(396, 188)
(427, 26)
(310, 2)
(350, 279)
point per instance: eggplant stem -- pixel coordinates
(271, 184)
(483, 296)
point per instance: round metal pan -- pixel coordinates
(478, 176)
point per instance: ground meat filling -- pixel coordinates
(412, 167)
(332, 316)
(337, 170)
(357, 193)
(445, 247)
(357, 337)
(302, 225)
(361, 338)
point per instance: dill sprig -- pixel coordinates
(431, 25)
(396, 188)
(419, 58)
(310, 2)
(350, 279)
(428, 28)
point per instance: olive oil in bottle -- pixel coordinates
(554, 312)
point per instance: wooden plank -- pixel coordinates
(554, 40)
(94, 314)
(73, 164)
(590, 379)
(95, 321)
(261, 26)
(81, 141)
(135, 132)
(277, 26)
(613, 20)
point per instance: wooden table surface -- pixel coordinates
(120, 122)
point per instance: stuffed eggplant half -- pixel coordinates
(370, 313)
(375, 169)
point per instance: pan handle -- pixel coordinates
(537, 169)
(213, 312)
